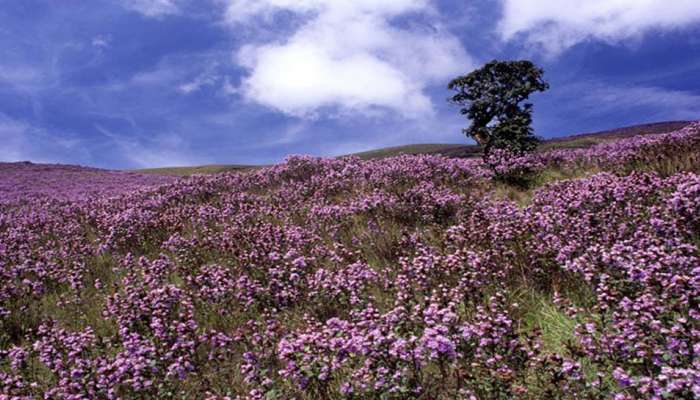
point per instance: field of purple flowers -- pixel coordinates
(411, 277)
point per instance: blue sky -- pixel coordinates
(139, 83)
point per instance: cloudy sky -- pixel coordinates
(138, 83)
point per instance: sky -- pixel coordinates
(145, 83)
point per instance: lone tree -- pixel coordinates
(490, 97)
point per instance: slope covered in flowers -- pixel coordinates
(400, 278)
(28, 182)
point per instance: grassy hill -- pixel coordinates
(582, 140)
(199, 169)
(329, 278)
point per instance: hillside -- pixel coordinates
(457, 150)
(26, 181)
(581, 140)
(407, 277)
(201, 169)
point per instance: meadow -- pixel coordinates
(407, 277)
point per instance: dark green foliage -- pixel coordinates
(491, 98)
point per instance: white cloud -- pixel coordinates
(152, 8)
(242, 10)
(229, 88)
(190, 87)
(185, 74)
(22, 141)
(557, 25)
(346, 54)
(158, 150)
(12, 134)
(650, 102)
(20, 74)
(210, 76)
(101, 42)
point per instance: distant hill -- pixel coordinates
(200, 169)
(22, 181)
(581, 140)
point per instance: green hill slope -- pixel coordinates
(581, 140)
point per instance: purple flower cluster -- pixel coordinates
(656, 151)
(25, 182)
(340, 278)
(510, 166)
(628, 239)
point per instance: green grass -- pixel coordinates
(523, 195)
(201, 169)
(428, 148)
(541, 314)
(447, 149)
(578, 143)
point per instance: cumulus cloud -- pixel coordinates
(152, 8)
(349, 55)
(557, 25)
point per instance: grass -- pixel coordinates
(379, 246)
(540, 314)
(429, 148)
(448, 149)
(523, 195)
(202, 169)
(579, 143)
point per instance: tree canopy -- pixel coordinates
(491, 98)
